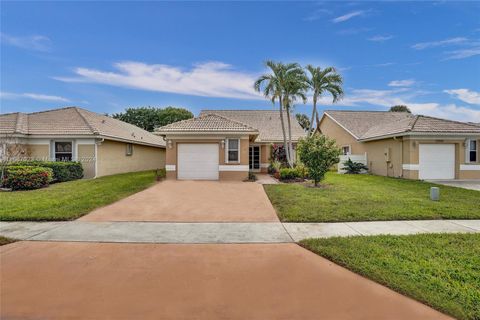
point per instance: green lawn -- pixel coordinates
(4, 241)
(441, 270)
(368, 197)
(70, 200)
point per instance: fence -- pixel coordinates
(362, 158)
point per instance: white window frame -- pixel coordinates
(127, 153)
(349, 150)
(227, 147)
(468, 150)
(53, 151)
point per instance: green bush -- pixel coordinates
(289, 174)
(352, 167)
(274, 167)
(62, 171)
(27, 177)
(161, 173)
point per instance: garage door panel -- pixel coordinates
(436, 161)
(198, 161)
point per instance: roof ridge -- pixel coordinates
(233, 110)
(94, 130)
(448, 120)
(367, 111)
(50, 110)
(226, 118)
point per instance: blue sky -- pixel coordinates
(106, 56)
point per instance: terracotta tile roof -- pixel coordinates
(74, 121)
(266, 121)
(377, 124)
(206, 123)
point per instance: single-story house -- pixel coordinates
(400, 144)
(223, 144)
(103, 145)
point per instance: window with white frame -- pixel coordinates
(63, 150)
(472, 150)
(233, 150)
(129, 150)
(346, 150)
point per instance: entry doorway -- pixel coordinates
(254, 158)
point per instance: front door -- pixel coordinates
(254, 156)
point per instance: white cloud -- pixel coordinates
(33, 96)
(468, 96)
(462, 53)
(441, 43)
(210, 79)
(402, 83)
(348, 16)
(35, 42)
(380, 38)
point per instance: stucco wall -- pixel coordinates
(376, 158)
(112, 158)
(86, 156)
(171, 157)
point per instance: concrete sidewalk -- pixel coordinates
(262, 232)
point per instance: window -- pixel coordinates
(233, 150)
(346, 150)
(472, 150)
(129, 151)
(63, 151)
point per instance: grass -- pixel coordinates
(70, 200)
(4, 241)
(440, 270)
(368, 197)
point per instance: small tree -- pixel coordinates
(400, 108)
(10, 150)
(318, 153)
(303, 121)
(148, 118)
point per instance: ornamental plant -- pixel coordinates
(318, 153)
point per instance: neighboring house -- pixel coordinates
(223, 144)
(399, 144)
(103, 145)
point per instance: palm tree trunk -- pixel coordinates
(318, 121)
(314, 111)
(285, 147)
(290, 147)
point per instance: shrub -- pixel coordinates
(278, 154)
(62, 171)
(354, 167)
(27, 177)
(302, 170)
(252, 176)
(161, 173)
(289, 174)
(274, 167)
(318, 153)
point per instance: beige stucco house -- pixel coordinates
(223, 144)
(103, 145)
(399, 144)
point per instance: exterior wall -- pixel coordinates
(39, 151)
(376, 158)
(224, 173)
(332, 130)
(86, 156)
(112, 158)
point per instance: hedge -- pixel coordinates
(27, 177)
(290, 174)
(62, 171)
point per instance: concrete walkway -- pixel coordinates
(261, 232)
(465, 184)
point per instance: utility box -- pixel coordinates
(386, 152)
(435, 193)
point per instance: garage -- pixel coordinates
(437, 161)
(197, 161)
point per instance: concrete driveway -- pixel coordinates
(465, 184)
(191, 201)
(68, 280)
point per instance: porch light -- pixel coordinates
(169, 144)
(223, 144)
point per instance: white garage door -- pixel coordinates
(197, 161)
(437, 161)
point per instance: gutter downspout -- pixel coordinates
(97, 143)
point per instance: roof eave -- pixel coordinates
(410, 133)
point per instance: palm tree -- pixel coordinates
(321, 81)
(281, 85)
